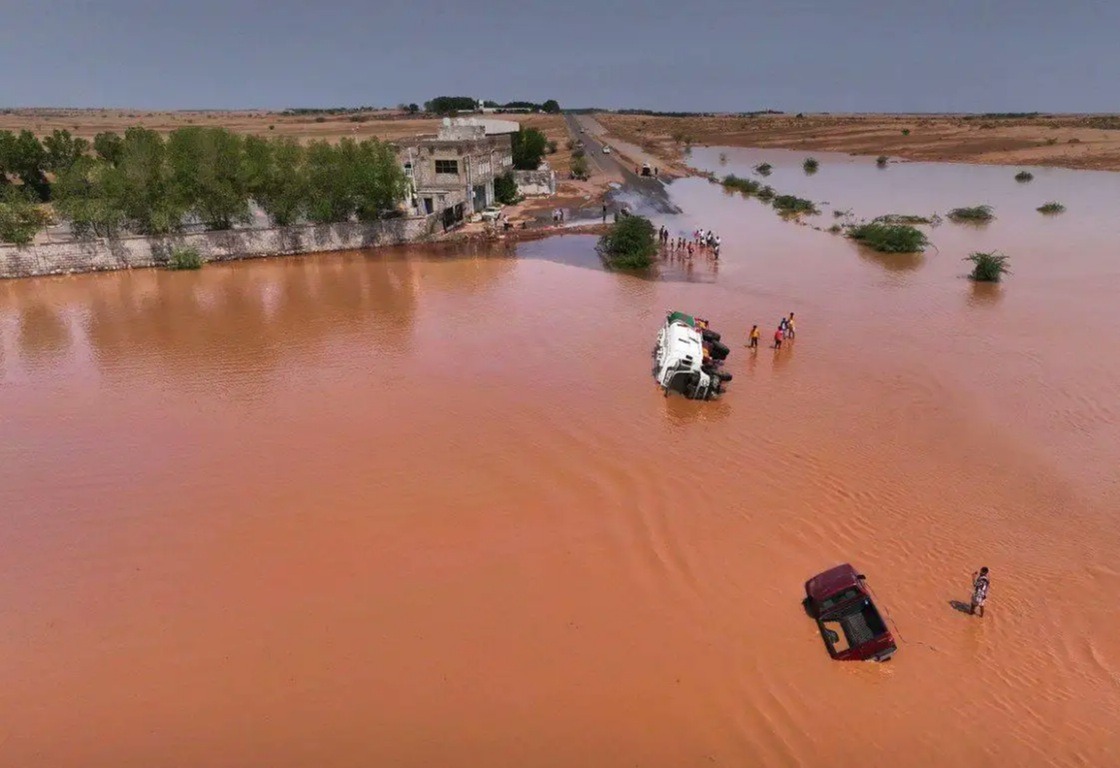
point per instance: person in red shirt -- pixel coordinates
(778, 339)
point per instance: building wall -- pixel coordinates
(479, 160)
(532, 183)
(130, 252)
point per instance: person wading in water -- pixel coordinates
(980, 584)
(753, 343)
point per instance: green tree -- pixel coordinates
(206, 175)
(377, 181)
(108, 146)
(273, 172)
(89, 194)
(146, 193)
(413, 109)
(24, 157)
(505, 189)
(63, 150)
(551, 106)
(529, 145)
(20, 218)
(329, 196)
(445, 105)
(579, 167)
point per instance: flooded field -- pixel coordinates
(416, 507)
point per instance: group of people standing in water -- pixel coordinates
(786, 330)
(702, 241)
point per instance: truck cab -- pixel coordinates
(850, 624)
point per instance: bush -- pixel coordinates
(629, 244)
(810, 165)
(1023, 176)
(746, 186)
(766, 194)
(763, 169)
(881, 161)
(1051, 208)
(889, 238)
(905, 131)
(793, 206)
(579, 167)
(320, 119)
(902, 218)
(552, 147)
(505, 189)
(973, 213)
(988, 267)
(185, 258)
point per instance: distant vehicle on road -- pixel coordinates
(606, 150)
(646, 170)
(850, 624)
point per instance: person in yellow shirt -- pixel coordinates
(790, 332)
(755, 334)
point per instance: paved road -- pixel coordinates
(637, 192)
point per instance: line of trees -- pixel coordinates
(447, 105)
(142, 182)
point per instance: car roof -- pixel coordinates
(828, 583)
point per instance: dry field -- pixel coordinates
(1068, 141)
(381, 124)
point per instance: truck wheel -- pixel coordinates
(710, 335)
(719, 350)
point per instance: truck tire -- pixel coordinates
(719, 350)
(709, 335)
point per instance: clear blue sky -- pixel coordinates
(827, 55)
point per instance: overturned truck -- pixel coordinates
(688, 358)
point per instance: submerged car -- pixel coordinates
(688, 358)
(849, 622)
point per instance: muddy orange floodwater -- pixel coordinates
(427, 508)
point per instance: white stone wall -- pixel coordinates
(137, 251)
(535, 183)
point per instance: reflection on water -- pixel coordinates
(984, 294)
(427, 507)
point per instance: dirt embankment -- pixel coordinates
(1068, 141)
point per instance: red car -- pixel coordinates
(850, 624)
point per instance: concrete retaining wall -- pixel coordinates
(137, 251)
(532, 183)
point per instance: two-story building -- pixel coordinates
(452, 174)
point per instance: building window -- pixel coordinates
(408, 169)
(447, 166)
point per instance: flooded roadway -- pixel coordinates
(411, 508)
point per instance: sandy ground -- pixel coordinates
(381, 124)
(1067, 141)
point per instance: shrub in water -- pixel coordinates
(810, 165)
(1051, 207)
(763, 169)
(629, 244)
(973, 213)
(988, 267)
(889, 238)
(185, 258)
(881, 161)
(791, 205)
(766, 194)
(902, 218)
(746, 186)
(905, 131)
(1023, 176)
